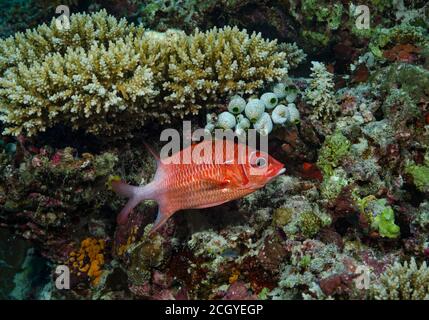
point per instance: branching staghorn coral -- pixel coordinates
(294, 54)
(109, 77)
(404, 281)
(320, 93)
(34, 44)
(53, 92)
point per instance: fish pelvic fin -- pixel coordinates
(163, 215)
(122, 217)
(135, 195)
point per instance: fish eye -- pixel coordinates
(259, 162)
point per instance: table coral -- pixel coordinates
(111, 76)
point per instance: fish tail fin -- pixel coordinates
(123, 189)
(138, 194)
(135, 195)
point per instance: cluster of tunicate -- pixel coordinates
(271, 108)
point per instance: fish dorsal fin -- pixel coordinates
(152, 151)
(159, 166)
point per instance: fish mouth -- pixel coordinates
(282, 170)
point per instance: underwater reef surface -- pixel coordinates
(348, 220)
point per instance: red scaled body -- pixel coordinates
(216, 172)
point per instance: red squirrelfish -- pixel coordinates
(217, 172)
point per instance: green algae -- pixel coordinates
(334, 149)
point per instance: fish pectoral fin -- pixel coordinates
(218, 183)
